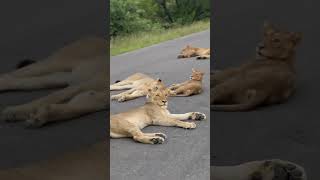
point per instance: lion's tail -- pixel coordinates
(24, 63)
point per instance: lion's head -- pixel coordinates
(188, 52)
(196, 75)
(158, 94)
(277, 44)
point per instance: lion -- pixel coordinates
(136, 86)
(274, 169)
(80, 68)
(153, 112)
(190, 87)
(199, 53)
(269, 79)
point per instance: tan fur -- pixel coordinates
(154, 112)
(199, 53)
(260, 170)
(80, 68)
(89, 162)
(269, 79)
(190, 87)
(136, 86)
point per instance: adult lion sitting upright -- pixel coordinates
(80, 68)
(153, 112)
(269, 79)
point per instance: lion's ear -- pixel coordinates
(193, 70)
(159, 80)
(188, 46)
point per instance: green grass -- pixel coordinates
(132, 42)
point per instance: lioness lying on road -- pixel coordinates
(154, 112)
(190, 87)
(259, 170)
(199, 53)
(269, 79)
(80, 68)
(137, 85)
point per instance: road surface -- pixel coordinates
(185, 154)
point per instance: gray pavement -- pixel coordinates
(289, 131)
(185, 154)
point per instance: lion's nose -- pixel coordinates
(164, 101)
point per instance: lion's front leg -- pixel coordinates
(84, 103)
(174, 122)
(198, 116)
(23, 112)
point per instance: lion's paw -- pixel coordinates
(189, 125)
(13, 114)
(161, 135)
(279, 170)
(198, 116)
(39, 118)
(122, 99)
(157, 140)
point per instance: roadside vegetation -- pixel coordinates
(139, 23)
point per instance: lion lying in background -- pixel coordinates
(269, 79)
(154, 112)
(190, 87)
(260, 170)
(80, 68)
(199, 53)
(136, 86)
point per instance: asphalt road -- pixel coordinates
(185, 154)
(34, 29)
(288, 131)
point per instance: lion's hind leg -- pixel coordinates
(116, 87)
(150, 138)
(182, 92)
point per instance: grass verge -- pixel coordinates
(132, 42)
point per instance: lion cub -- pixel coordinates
(269, 79)
(199, 53)
(190, 87)
(153, 112)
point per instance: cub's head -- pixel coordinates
(277, 44)
(187, 52)
(158, 94)
(196, 75)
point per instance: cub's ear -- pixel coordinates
(268, 28)
(159, 80)
(296, 37)
(188, 46)
(193, 70)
